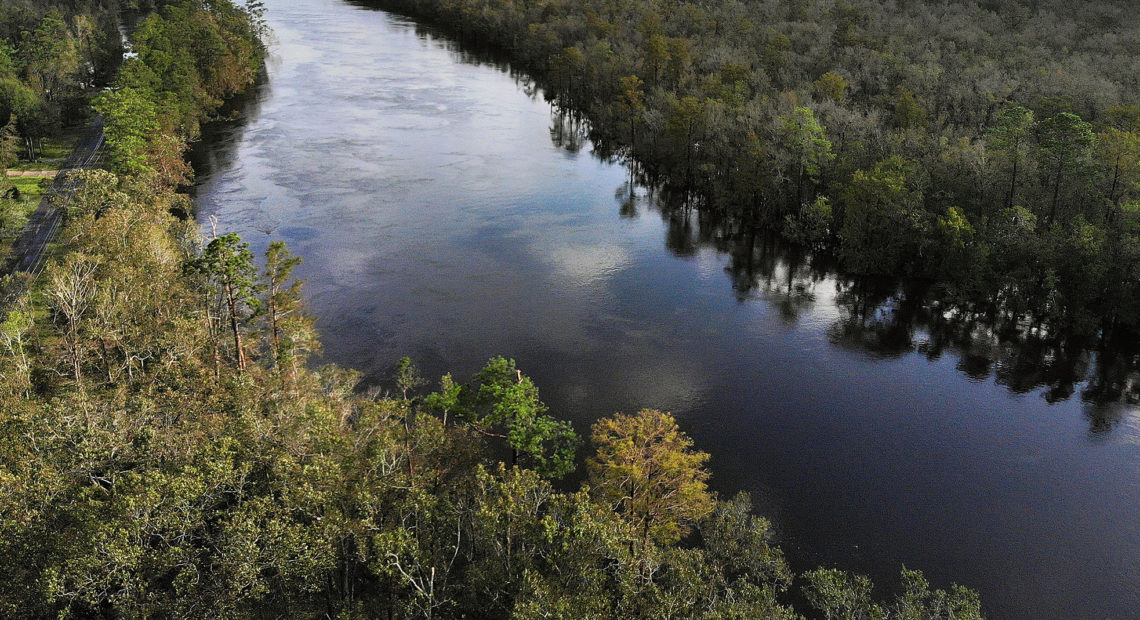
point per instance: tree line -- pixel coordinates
(990, 148)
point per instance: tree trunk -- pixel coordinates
(234, 326)
(1013, 182)
(1056, 193)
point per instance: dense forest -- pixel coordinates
(167, 449)
(988, 150)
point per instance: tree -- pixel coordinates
(511, 535)
(631, 103)
(840, 595)
(1010, 135)
(51, 59)
(811, 225)
(447, 399)
(14, 330)
(917, 602)
(131, 121)
(909, 113)
(775, 54)
(684, 126)
(228, 263)
(656, 55)
(282, 299)
(31, 115)
(739, 543)
(805, 140)
(883, 225)
(1065, 145)
(71, 288)
(504, 403)
(832, 86)
(1119, 150)
(645, 468)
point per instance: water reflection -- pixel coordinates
(884, 319)
(217, 148)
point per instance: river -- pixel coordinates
(446, 213)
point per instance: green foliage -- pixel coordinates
(503, 399)
(805, 139)
(832, 86)
(131, 122)
(1010, 135)
(226, 264)
(812, 226)
(882, 219)
(292, 336)
(838, 595)
(917, 602)
(909, 113)
(1065, 146)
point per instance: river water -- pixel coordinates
(445, 212)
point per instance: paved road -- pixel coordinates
(28, 250)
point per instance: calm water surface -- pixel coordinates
(438, 219)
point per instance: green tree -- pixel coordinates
(832, 86)
(1065, 144)
(805, 140)
(812, 225)
(684, 125)
(1119, 151)
(131, 121)
(775, 54)
(918, 602)
(228, 264)
(447, 399)
(51, 58)
(631, 104)
(14, 332)
(909, 113)
(839, 595)
(281, 307)
(740, 543)
(656, 55)
(505, 404)
(883, 225)
(71, 289)
(1010, 136)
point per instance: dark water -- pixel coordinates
(439, 218)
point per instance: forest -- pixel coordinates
(986, 152)
(168, 448)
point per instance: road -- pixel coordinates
(29, 248)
